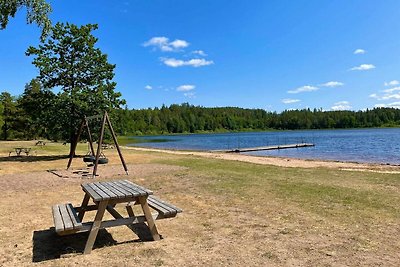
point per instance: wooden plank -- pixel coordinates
(148, 191)
(74, 217)
(106, 190)
(165, 203)
(160, 208)
(133, 191)
(121, 188)
(86, 187)
(66, 218)
(58, 222)
(100, 192)
(113, 189)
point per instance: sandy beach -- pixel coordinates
(283, 162)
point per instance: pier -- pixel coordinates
(261, 148)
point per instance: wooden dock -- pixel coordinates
(261, 148)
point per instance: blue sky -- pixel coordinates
(273, 55)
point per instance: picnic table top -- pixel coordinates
(119, 189)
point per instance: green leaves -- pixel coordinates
(69, 60)
(37, 12)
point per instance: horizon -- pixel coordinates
(271, 55)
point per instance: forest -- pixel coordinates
(31, 116)
(186, 118)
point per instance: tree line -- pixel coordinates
(186, 118)
(29, 116)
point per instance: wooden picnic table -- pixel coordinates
(105, 196)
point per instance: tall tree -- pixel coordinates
(68, 59)
(37, 105)
(9, 110)
(37, 12)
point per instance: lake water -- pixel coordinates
(355, 145)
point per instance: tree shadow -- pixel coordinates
(32, 158)
(47, 245)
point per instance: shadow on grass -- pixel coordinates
(32, 158)
(47, 245)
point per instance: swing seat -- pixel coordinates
(103, 160)
(89, 158)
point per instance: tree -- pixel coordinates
(68, 59)
(9, 111)
(37, 12)
(37, 105)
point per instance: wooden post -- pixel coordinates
(95, 227)
(84, 205)
(89, 137)
(74, 145)
(99, 143)
(116, 142)
(149, 218)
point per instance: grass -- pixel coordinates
(235, 213)
(340, 195)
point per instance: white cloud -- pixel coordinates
(306, 88)
(290, 101)
(364, 67)
(359, 51)
(332, 84)
(195, 62)
(178, 44)
(391, 90)
(392, 93)
(392, 83)
(373, 96)
(190, 95)
(186, 87)
(390, 105)
(199, 52)
(148, 87)
(341, 105)
(390, 96)
(165, 45)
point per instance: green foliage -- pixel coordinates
(69, 60)
(9, 111)
(37, 12)
(37, 108)
(191, 119)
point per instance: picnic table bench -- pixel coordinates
(19, 150)
(105, 196)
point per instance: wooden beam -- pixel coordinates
(116, 142)
(99, 143)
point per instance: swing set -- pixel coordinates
(99, 157)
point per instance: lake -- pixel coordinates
(355, 145)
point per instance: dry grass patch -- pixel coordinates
(234, 214)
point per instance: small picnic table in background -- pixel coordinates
(106, 195)
(19, 150)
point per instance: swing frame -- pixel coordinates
(85, 124)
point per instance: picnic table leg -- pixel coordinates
(130, 211)
(95, 227)
(84, 205)
(149, 218)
